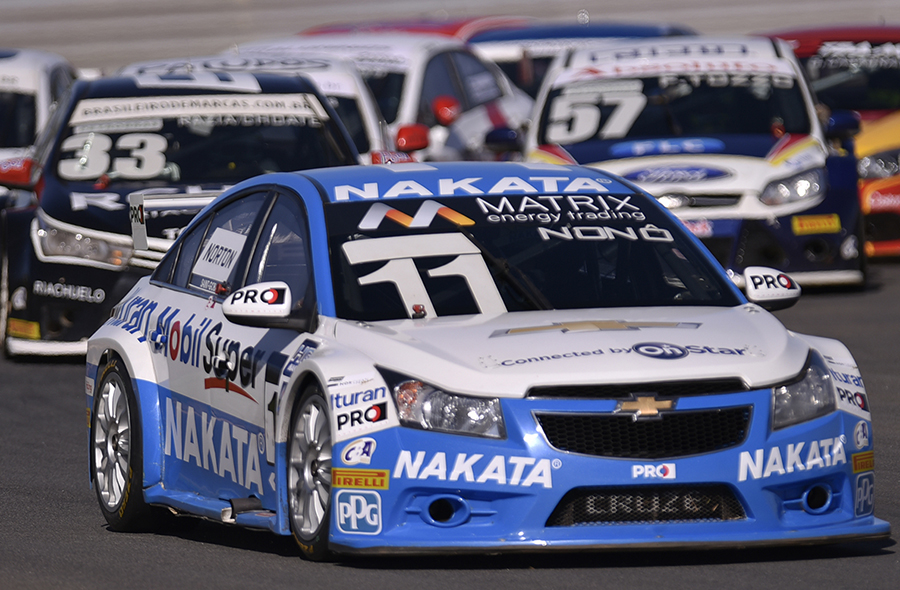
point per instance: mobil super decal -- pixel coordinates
(791, 458)
(476, 468)
(216, 445)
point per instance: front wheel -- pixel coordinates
(309, 474)
(116, 458)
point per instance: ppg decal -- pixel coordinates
(358, 512)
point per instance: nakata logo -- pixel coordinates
(660, 350)
(677, 174)
(500, 470)
(423, 217)
(764, 463)
(664, 471)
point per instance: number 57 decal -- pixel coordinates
(577, 117)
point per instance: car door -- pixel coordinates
(213, 371)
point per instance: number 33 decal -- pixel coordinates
(146, 157)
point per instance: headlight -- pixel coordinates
(810, 397)
(73, 245)
(420, 405)
(880, 165)
(806, 185)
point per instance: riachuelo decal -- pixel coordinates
(71, 292)
(476, 468)
(217, 445)
(791, 458)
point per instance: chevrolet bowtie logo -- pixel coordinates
(646, 406)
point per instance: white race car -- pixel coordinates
(723, 131)
(470, 357)
(432, 90)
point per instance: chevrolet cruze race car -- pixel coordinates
(724, 132)
(66, 259)
(458, 357)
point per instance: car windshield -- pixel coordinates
(674, 105)
(856, 76)
(350, 114)
(197, 139)
(387, 87)
(469, 255)
(17, 119)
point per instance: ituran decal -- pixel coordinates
(499, 469)
(803, 456)
(217, 446)
(472, 186)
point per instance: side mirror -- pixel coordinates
(842, 125)
(769, 288)
(412, 138)
(16, 173)
(259, 304)
(388, 157)
(502, 139)
(446, 110)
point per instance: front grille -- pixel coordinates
(646, 505)
(627, 390)
(673, 434)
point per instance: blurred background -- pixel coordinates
(110, 33)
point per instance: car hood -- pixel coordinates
(504, 355)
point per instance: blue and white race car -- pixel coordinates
(457, 357)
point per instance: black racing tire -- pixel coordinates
(117, 471)
(309, 474)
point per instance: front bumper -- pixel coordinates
(426, 492)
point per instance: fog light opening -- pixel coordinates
(817, 499)
(441, 510)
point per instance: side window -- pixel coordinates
(438, 80)
(210, 253)
(282, 253)
(478, 81)
(60, 80)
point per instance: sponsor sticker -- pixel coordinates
(804, 225)
(358, 512)
(864, 501)
(360, 479)
(359, 451)
(863, 461)
(220, 255)
(663, 471)
(16, 328)
(861, 435)
(802, 456)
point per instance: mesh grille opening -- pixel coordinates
(674, 434)
(646, 505)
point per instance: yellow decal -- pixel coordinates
(864, 461)
(17, 328)
(362, 479)
(804, 225)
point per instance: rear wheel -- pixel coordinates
(309, 474)
(116, 458)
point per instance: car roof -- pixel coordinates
(330, 73)
(462, 28)
(148, 85)
(424, 180)
(806, 41)
(21, 69)
(389, 51)
(544, 30)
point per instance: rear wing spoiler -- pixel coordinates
(146, 203)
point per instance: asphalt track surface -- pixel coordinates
(52, 534)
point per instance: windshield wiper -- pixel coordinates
(522, 285)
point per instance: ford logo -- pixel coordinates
(677, 174)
